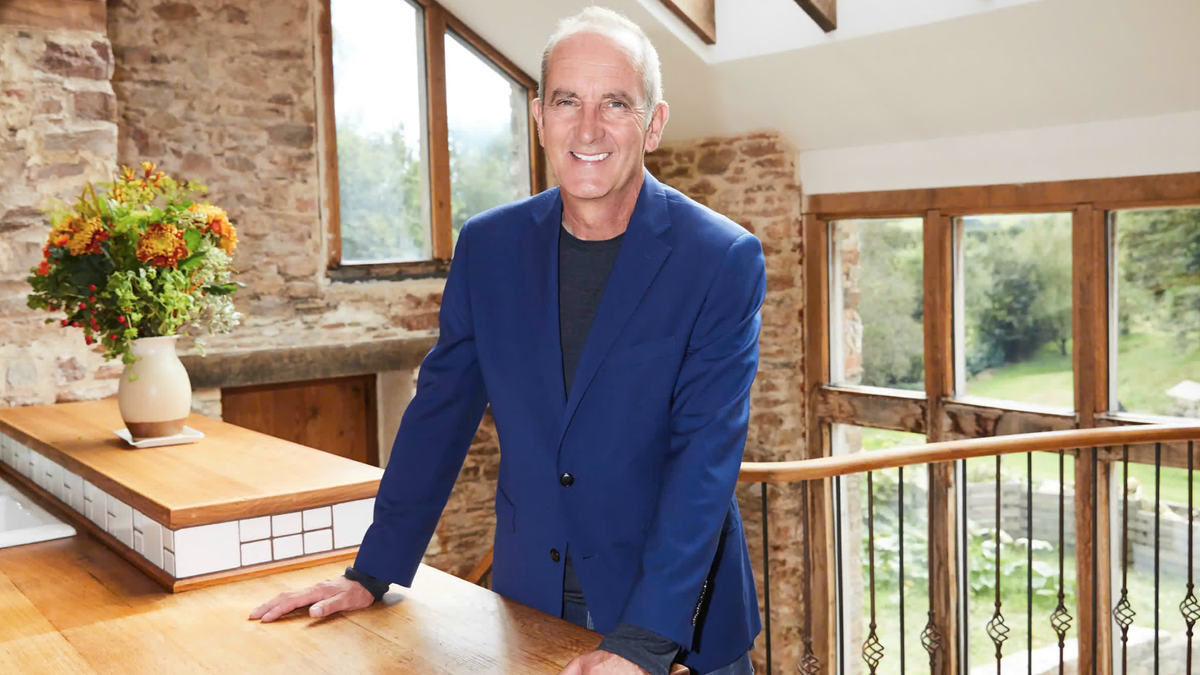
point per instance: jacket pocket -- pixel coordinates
(640, 353)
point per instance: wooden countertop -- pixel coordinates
(73, 606)
(232, 473)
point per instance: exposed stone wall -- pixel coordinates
(58, 116)
(754, 180)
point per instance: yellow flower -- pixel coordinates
(217, 222)
(87, 238)
(161, 245)
(148, 167)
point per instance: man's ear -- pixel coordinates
(536, 111)
(657, 122)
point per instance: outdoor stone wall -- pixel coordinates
(754, 180)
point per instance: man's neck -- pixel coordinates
(600, 219)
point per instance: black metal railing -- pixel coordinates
(1002, 573)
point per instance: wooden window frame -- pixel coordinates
(939, 413)
(438, 23)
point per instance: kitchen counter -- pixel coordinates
(74, 606)
(235, 504)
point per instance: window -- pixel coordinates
(1157, 275)
(383, 171)
(489, 133)
(877, 300)
(1015, 319)
(423, 125)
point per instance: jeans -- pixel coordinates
(580, 616)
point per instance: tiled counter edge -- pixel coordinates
(199, 550)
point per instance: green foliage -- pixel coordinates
(1018, 286)
(1159, 254)
(890, 303)
(138, 259)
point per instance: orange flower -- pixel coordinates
(44, 268)
(217, 222)
(162, 245)
(88, 237)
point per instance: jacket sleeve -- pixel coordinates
(431, 445)
(709, 418)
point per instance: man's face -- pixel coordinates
(591, 119)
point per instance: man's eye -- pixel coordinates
(617, 104)
(566, 103)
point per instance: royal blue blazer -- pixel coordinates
(636, 466)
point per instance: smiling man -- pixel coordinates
(612, 323)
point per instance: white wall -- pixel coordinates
(1131, 147)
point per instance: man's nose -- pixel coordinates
(590, 129)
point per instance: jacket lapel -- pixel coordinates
(642, 254)
(540, 247)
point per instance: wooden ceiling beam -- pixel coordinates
(699, 15)
(824, 12)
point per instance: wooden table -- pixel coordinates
(74, 606)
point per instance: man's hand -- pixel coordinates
(327, 597)
(601, 663)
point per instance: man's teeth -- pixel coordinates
(592, 158)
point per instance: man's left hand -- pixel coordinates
(601, 663)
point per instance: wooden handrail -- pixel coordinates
(862, 462)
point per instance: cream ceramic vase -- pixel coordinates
(157, 402)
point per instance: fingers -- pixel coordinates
(573, 668)
(289, 601)
(338, 603)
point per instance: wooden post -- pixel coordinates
(939, 386)
(439, 131)
(821, 602)
(1091, 358)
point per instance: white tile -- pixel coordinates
(168, 539)
(139, 543)
(256, 552)
(288, 547)
(54, 480)
(152, 534)
(318, 519)
(73, 490)
(20, 457)
(169, 563)
(120, 521)
(33, 466)
(288, 523)
(97, 506)
(206, 549)
(316, 542)
(253, 529)
(350, 522)
(6, 451)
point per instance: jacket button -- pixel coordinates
(566, 480)
(554, 554)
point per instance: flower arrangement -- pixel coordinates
(139, 259)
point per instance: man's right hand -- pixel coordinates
(325, 598)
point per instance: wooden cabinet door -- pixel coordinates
(336, 415)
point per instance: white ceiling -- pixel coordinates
(1022, 65)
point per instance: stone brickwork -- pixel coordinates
(58, 116)
(754, 180)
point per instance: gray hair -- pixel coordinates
(627, 34)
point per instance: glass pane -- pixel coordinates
(489, 134)
(1158, 301)
(878, 337)
(377, 72)
(1017, 280)
(1021, 534)
(856, 561)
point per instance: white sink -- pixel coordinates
(24, 522)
